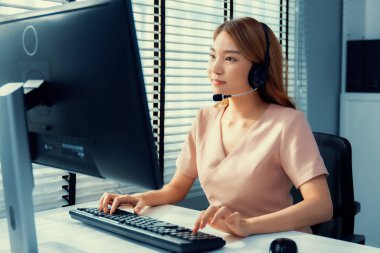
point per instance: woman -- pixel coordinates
(249, 149)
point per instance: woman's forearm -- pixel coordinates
(171, 193)
(166, 195)
(303, 214)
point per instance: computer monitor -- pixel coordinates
(90, 115)
(87, 53)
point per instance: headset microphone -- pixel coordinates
(220, 97)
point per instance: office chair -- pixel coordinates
(336, 153)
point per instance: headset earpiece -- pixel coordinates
(258, 74)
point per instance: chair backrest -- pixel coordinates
(336, 153)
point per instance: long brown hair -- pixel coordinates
(249, 36)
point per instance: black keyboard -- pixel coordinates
(148, 230)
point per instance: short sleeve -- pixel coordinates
(299, 153)
(187, 160)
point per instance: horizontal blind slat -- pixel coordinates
(195, 4)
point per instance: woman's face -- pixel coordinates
(227, 68)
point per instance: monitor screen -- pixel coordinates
(87, 54)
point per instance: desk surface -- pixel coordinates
(56, 230)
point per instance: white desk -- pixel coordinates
(56, 230)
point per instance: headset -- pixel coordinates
(258, 74)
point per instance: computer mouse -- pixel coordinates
(283, 245)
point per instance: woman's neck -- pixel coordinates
(249, 107)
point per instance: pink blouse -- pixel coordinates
(278, 150)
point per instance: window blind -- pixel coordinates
(300, 57)
(47, 191)
(9, 7)
(189, 29)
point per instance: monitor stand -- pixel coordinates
(16, 169)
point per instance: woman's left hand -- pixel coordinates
(221, 218)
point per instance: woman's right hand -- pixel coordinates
(115, 200)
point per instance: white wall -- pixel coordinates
(354, 19)
(360, 121)
(360, 124)
(372, 19)
(361, 19)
